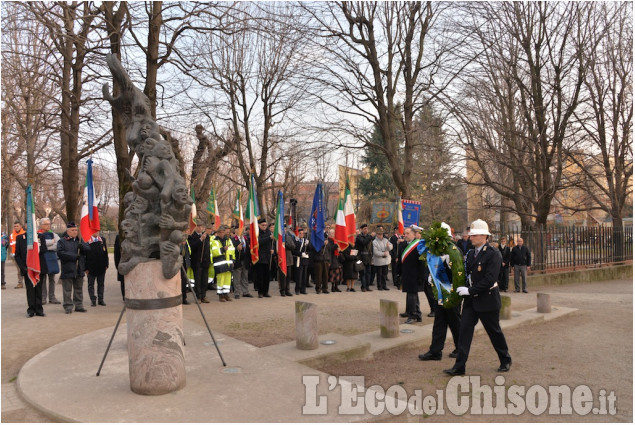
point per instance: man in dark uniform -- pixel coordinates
(482, 300)
(412, 272)
(395, 240)
(443, 318)
(33, 290)
(199, 243)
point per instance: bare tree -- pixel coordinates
(382, 63)
(605, 159)
(519, 98)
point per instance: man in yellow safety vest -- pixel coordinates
(223, 254)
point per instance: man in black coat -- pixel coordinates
(413, 272)
(199, 244)
(444, 318)
(72, 254)
(363, 245)
(465, 244)
(521, 262)
(242, 263)
(33, 292)
(262, 269)
(503, 278)
(482, 300)
(395, 240)
(96, 266)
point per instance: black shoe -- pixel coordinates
(303, 292)
(102, 303)
(267, 296)
(186, 302)
(29, 315)
(93, 304)
(259, 295)
(410, 320)
(282, 294)
(288, 294)
(419, 319)
(505, 367)
(352, 289)
(525, 291)
(369, 290)
(386, 288)
(236, 296)
(81, 310)
(41, 314)
(325, 292)
(454, 354)
(455, 372)
(517, 290)
(247, 295)
(430, 356)
(431, 314)
(403, 314)
(297, 292)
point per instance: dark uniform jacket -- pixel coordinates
(363, 245)
(97, 258)
(265, 244)
(243, 256)
(20, 253)
(199, 251)
(413, 271)
(72, 255)
(506, 255)
(483, 271)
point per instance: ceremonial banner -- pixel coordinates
(316, 220)
(411, 210)
(252, 215)
(89, 222)
(278, 234)
(32, 241)
(382, 213)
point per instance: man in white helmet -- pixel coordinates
(481, 300)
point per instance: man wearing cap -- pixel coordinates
(482, 300)
(223, 255)
(72, 255)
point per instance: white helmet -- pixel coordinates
(447, 227)
(479, 227)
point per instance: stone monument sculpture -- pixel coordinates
(156, 217)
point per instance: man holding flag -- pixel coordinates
(285, 243)
(27, 256)
(317, 245)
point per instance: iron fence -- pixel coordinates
(571, 247)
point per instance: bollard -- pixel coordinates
(155, 330)
(389, 318)
(306, 326)
(544, 303)
(506, 307)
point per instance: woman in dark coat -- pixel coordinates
(348, 268)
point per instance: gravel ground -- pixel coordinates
(592, 346)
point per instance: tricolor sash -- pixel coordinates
(412, 246)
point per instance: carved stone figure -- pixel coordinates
(157, 213)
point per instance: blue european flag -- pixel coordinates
(316, 220)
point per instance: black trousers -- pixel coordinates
(200, 280)
(444, 318)
(301, 278)
(321, 270)
(412, 305)
(382, 274)
(395, 275)
(490, 321)
(429, 296)
(284, 280)
(503, 278)
(33, 297)
(261, 278)
(100, 287)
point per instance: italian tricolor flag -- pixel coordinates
(212, 209)
(238, 214)
(252, 216)
(400, 217)
(89, 222)
(345, 221)
(32, 244)
(278, 234)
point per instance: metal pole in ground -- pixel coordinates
(111, 338)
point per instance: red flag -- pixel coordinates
(400, 217)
